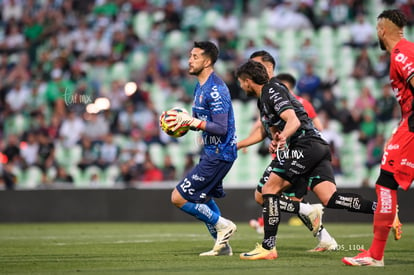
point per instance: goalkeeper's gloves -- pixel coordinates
(176, 120)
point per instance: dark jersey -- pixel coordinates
(275, 99)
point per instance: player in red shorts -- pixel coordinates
(397, 167)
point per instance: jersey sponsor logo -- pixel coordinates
(217, 106)
(215, 93)
(279, 105)
(406, 162)
(393, 147)
(402, 58)
(386, 200)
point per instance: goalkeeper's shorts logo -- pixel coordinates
(197, 177)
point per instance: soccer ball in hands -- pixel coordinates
(164, 126)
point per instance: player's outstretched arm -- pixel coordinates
(256, 136)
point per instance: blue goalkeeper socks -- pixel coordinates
(201, 212)
(214, 207)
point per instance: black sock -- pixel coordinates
(290, 206)
(287, 205)
(271, 219)
(352, 202)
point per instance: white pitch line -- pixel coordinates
(140, 236)
(115, 242)
(147, 238)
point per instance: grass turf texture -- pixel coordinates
(160, 248)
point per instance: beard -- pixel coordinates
(382, 45)
(195, 71)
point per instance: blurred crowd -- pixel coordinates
(65, 66)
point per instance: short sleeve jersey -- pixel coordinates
(213, 97)
(401, 72)
(274, 100)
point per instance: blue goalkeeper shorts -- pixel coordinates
(205, 180)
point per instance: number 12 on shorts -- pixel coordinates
(186, 187)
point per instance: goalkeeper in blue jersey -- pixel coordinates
(213, 114)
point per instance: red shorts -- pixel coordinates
(398, 156)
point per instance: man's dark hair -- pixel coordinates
(253, 70)
(266, 57)
(395, 16)
(209, 48)
(285, 77)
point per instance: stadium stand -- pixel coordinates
(129, 60)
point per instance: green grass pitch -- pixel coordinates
(164, 248)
